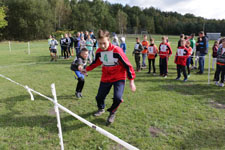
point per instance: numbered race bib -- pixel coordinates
(107, 58)
(151, 50)
(136, 46)
(223, 51)
(163, 48)
(180, 52)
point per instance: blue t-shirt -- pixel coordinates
(124, 47)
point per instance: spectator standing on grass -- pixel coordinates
(193, 46)
(152, 54)
(61, 41)
(65, 45)
(214, 53)
(123, 44)
(165, 51)
(203, 46)
(53, 48)
(220, 69)
(77, 43)
(71, 44)
(181, 60)
(137, 52)
(95, 46)
(190, 51)
(82, 43)
(89, 45)
(145, 44)
(86, 35)
(179, 42)
(115, 40)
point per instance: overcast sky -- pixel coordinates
(211, 9)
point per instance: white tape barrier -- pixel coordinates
(100, 130)
(57, 117)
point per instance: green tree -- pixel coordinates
(121, 21)
(29, 19)
(3, 22)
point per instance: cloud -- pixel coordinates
(204, 8)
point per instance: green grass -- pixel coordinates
(182, 112)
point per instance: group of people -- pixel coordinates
(68, 43)
(188, 51)
(116, 66)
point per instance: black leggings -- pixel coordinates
(80, 85)
(220, 68)
(151, 61)
(65, 50)
(183, 69)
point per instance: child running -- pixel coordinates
(220, 64)
(152, 53)
(137, 51)
(181, 60)
(165, 52)
(115, 68)
(77, 65)
(53, 48)
(214, 53)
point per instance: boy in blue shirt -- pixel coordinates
(123, 44)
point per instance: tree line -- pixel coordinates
(36, 19)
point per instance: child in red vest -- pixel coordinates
(152, 53)
(188, 43)
(115, 68)
(181, 60)
(165, 51)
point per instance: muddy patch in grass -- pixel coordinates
(155, 132)
(217, 105)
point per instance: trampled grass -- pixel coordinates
(162, 114)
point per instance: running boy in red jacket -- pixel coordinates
(165, 52)
(115, 68)
(181, 60)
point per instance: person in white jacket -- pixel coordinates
(53, 48)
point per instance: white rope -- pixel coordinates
(100, 130)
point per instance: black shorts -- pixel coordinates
(53, 51)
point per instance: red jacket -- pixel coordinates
(165, 50)
(115, 64)
(181, 56)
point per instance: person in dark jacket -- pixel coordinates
(203, 47)
(77, 43)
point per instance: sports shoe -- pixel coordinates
(178, 78)
(221, 84)
(80, 94)
(185, 80)
(217, 83)
(154, 74)
(99, 112)
(77, 95)
(111, 118)
(189, 76)
(165, 76)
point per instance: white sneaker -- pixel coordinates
(217, 83)
(221, 84)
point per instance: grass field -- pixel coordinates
(163, 114)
